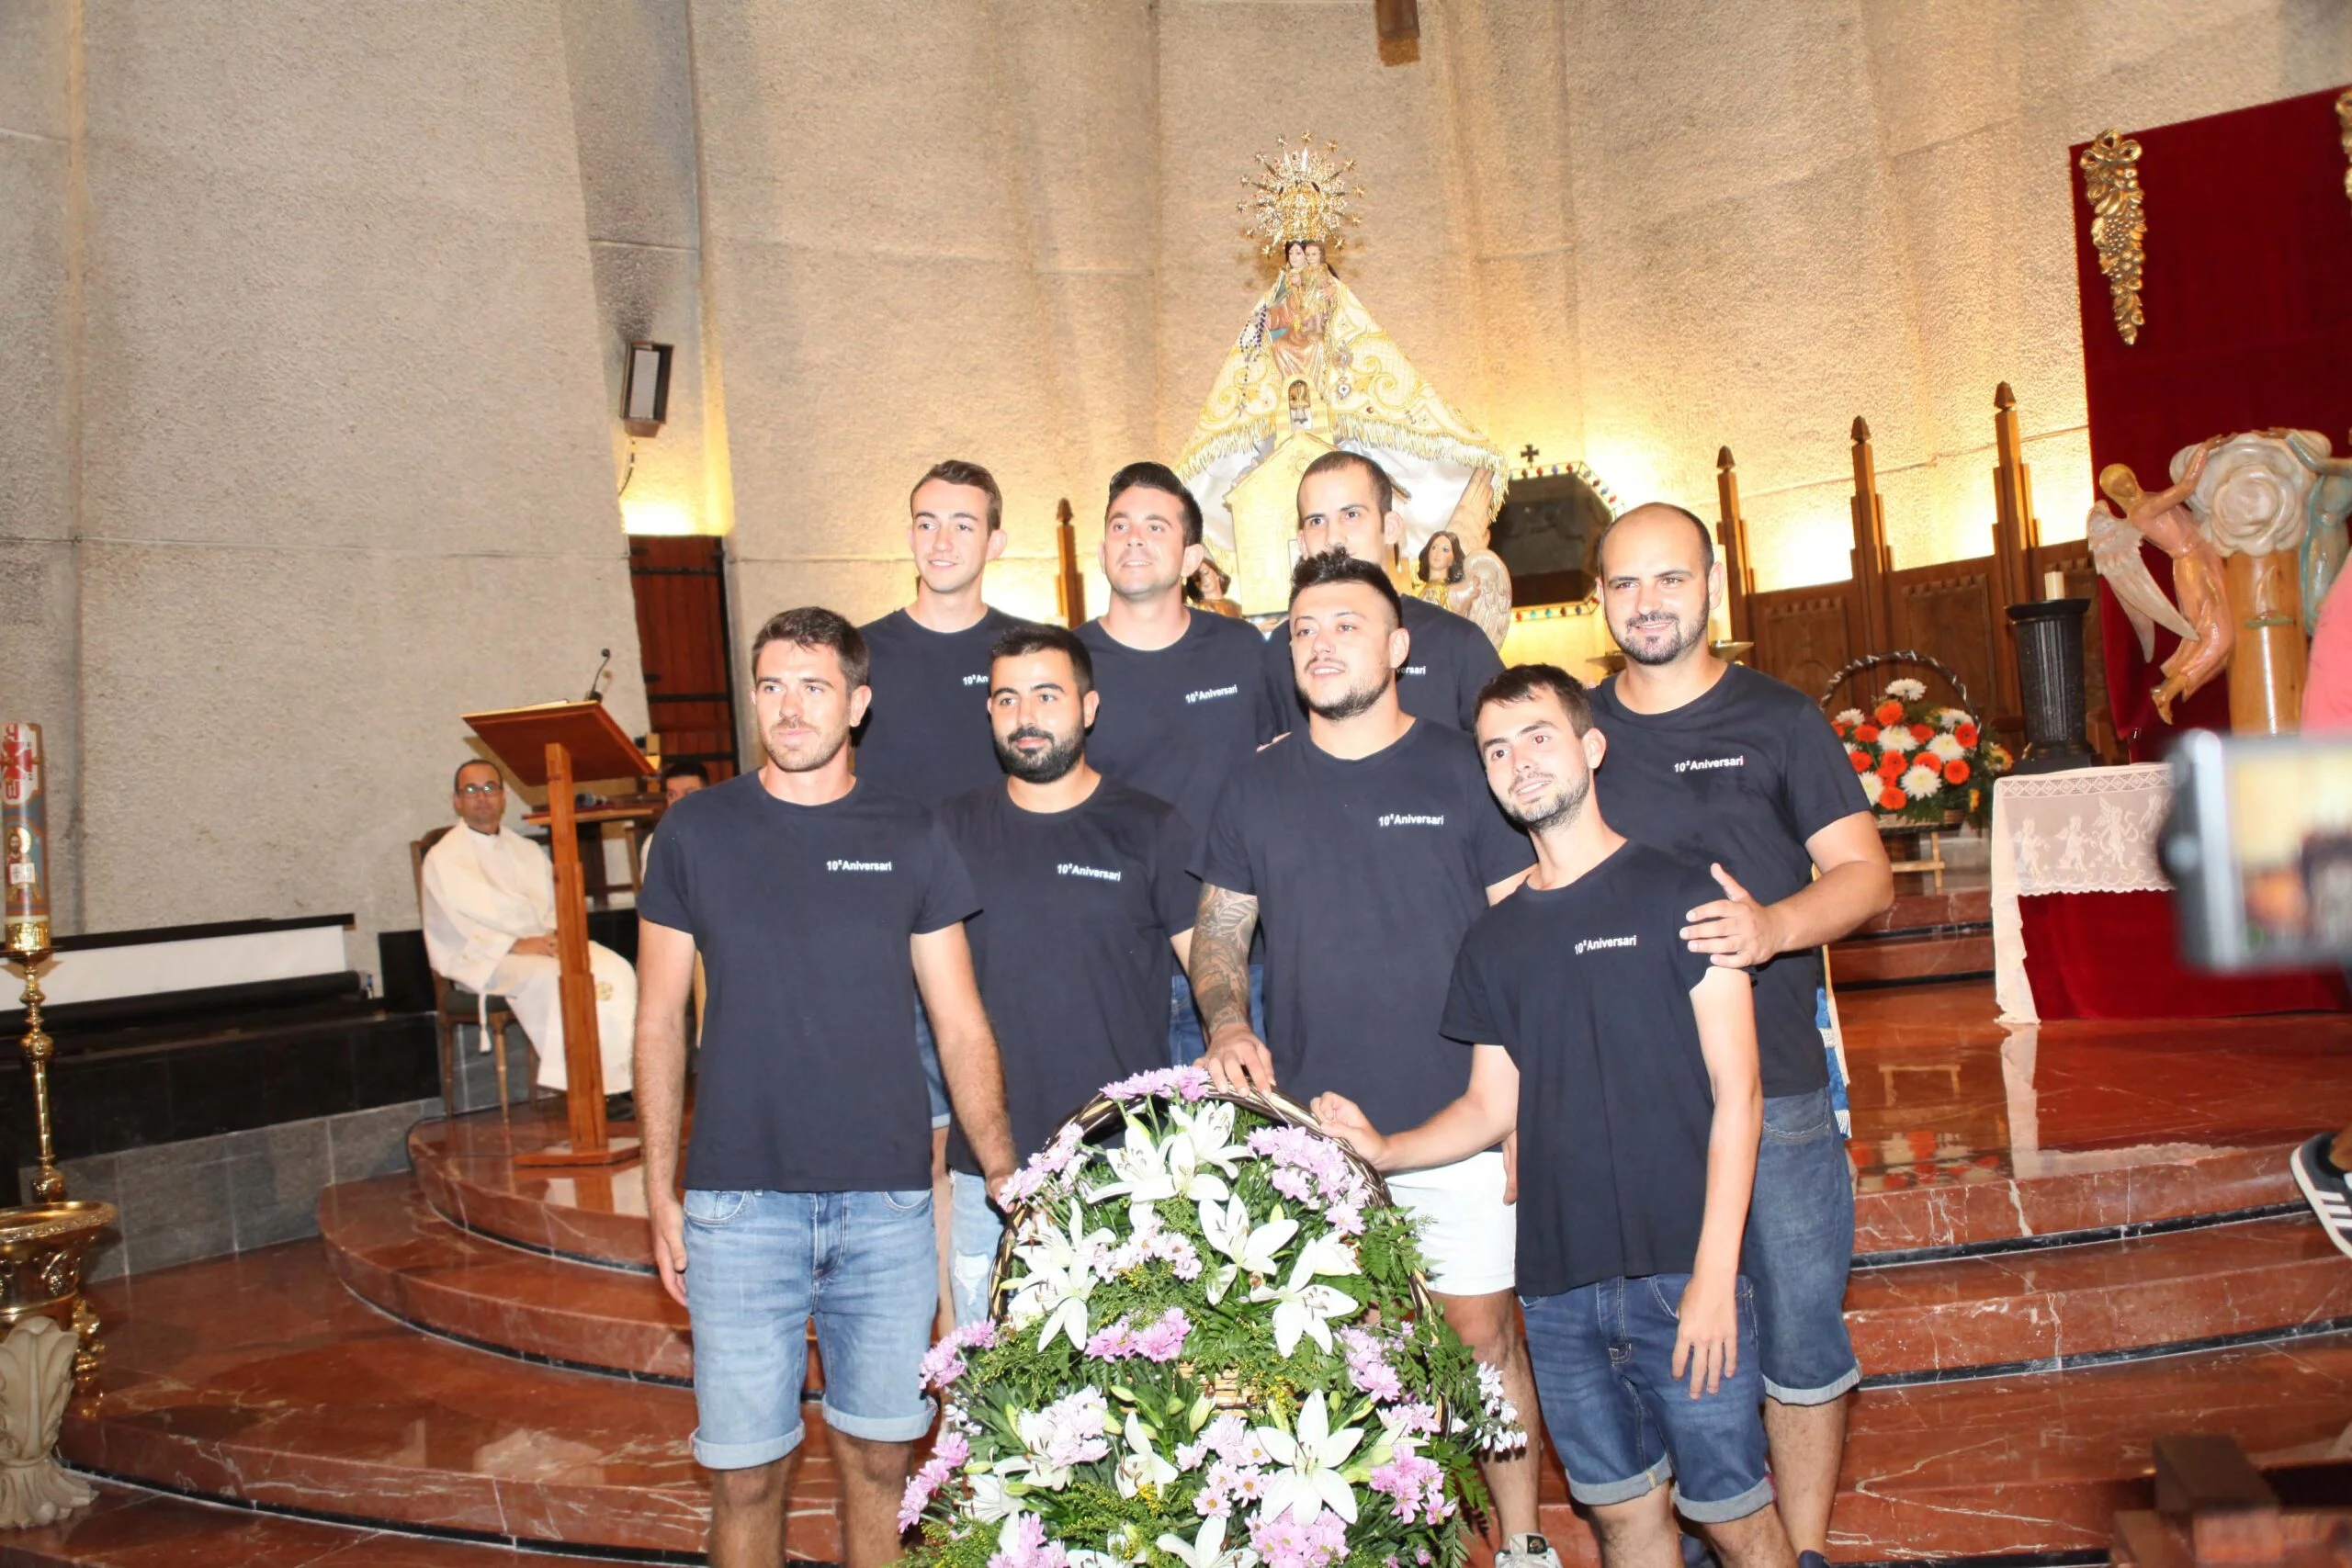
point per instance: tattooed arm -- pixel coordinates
(1220, 973)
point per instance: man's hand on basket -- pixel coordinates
(1238, 1061)
(1342, 1119)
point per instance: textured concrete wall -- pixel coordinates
(340, 471)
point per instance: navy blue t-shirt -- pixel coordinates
(1588, 988)
(1366, 873)
(808, 1079)
(1071, 943)
(1175, 722)
(926, 731)
(1447, 664)
(1742, 774)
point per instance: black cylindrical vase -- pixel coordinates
(2050, 678)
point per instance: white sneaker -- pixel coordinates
(1528, 1550)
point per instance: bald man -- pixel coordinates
(1728, 767)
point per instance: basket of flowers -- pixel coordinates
(1921, 764)
(1210, 1345)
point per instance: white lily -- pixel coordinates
(1309, 1456)
(1150, 1173)
(1143, 1466)
(1061, 1279)
(993, 1497)
(1304, 1307)
(1253, 1250)
(1209, 1129)
(1206, 1550)
(1327, 1254)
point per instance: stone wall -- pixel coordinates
(316, 436)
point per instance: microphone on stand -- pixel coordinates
(598, 677)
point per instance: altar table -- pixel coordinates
(2082, 911)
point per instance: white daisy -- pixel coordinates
(1922, 782)
(1905, 689)
(1945, 748)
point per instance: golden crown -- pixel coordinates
(1301, 195)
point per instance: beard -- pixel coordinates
(1686, 633)
(1560, 810)
(1351, 702)
(809, 757)
(1040, 767)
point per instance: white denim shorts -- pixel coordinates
(1469, 1236)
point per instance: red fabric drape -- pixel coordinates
(2110, 955)
(2248, 301)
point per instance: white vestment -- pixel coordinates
(483, 894)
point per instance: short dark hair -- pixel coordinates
(685, 771)
(1706, 534)
(955, 471)
(1037, 636)
(812, 625)
(1158, 477)
(1522, 682)
(1338, 566)
(497, 772)
(1382, 485)
(1454, 572)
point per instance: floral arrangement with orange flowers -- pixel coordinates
(1917, 762)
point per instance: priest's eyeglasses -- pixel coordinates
(494, 786)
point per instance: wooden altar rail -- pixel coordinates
(1955, 610)
(2214, 1508)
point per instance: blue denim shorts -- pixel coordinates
(971, 1254)
(934, 1080)
(1186, 1044)
(759, 1266)
(1622, 1424)
(1800, 1244)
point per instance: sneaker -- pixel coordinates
(2327, 1189)
(1528, 1550)
(620, 1107)
(1811, 1559)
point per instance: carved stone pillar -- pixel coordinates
(36, 1382)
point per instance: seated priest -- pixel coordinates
(489, 926)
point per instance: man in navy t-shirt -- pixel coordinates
(1364, 844)
(1346, 501)
(926, 733)
(821, 905)
(1627, 1064)
(1724, 766)
(1086, 910)
(1184, 704)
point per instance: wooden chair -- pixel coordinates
(454, 1006)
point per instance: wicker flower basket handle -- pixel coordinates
(1901, 656)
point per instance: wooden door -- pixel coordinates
(681, 589)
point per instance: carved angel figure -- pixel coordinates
(2115, 550)
(2162, 519)
(1471, 582)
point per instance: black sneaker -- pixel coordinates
(2327, 1189)
(620, 1108)
(1811, 1559)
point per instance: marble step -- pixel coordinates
(1912, 958)
(2040, 1463)
(258, 1379)
(128, 1528)
(466, 1167)
(2064, 1305)
(385, 1242)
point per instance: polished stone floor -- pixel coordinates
(300, 1377)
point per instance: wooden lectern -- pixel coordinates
(552, 745)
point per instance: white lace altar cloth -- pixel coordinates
(2091, 831)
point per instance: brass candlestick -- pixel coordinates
(29, 945)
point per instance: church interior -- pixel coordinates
(392, 386)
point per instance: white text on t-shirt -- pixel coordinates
(1685, 767)
(1411, 820)
(857, 865)
(1071, 868)
(1607, 941)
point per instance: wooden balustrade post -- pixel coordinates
(1739, 571)
(1069, 587)
(1872, 560)
(2017, 533)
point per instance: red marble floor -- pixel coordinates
(130, 1528)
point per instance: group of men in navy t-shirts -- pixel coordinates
(1546, 956)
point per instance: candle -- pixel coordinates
(24, 836)
(2053, 585)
